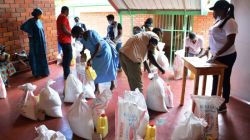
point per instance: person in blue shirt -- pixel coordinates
(104, 58)
(37, 44)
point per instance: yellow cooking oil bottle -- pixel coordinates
(102, 125)
(150, 132)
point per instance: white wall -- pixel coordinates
(240, 80)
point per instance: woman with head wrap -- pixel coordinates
(37, 44)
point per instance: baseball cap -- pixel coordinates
(221, 4)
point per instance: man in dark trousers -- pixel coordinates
(64, 39)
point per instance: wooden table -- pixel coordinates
(200, 67)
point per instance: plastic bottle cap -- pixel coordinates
(152, 124)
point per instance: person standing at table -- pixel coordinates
(37, 44)
(221, 42)
(64, 39)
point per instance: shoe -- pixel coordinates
(222, 108)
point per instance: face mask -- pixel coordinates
(110, 22)
(218, 18)
(40, 17)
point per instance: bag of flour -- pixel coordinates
(3, 93)
(72, 89)
(169, 97)
(156, 97)
(192, 128)
(100, 103)
(131, 116)
(29, 107)
(50, 101)
(207, 107)
(162, 60)
(178, 64)
(45, 134)
(80, 118)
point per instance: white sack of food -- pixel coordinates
(192, 128)
(156, 97)
(169, 97)
(162, 60)
(29, 107)
(3, 93)
(131, 116)
(45, 134)
(50, 101)
(178, 64)
(73, 88)
(207, 107)
(80, 118)
(100, 103)
(89, 89)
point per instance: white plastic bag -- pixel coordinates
(169, 97)
(45, 134)
(178, 64)
(3, 93)
(29, 107)
(162, 60)
(89, 89)
(50, 101)
(72, 89)
(131, 116)
(59, 59)
(80, 70)
(156, 97)
(100, 103)
(192, 128)
(207, 107)
(80, 118)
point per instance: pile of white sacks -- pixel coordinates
(131, 113)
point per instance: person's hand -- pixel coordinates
(89, 62)
(212, 59)
(162, 71)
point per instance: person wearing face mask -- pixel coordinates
(114, 33)
(148, 25)
(194, 45)
(37, 44)
(64, 39)
(104, 58)
(221, 42)
(135, 51)
(77, 23)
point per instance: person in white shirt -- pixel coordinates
(135, 51)
(194, 45)
(221, 42)
(78, 23)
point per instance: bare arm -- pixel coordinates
(153, 61)
(186, 51)
(145, 63)
(65, 30)
(119, 35)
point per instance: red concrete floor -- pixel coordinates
(233, 125)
